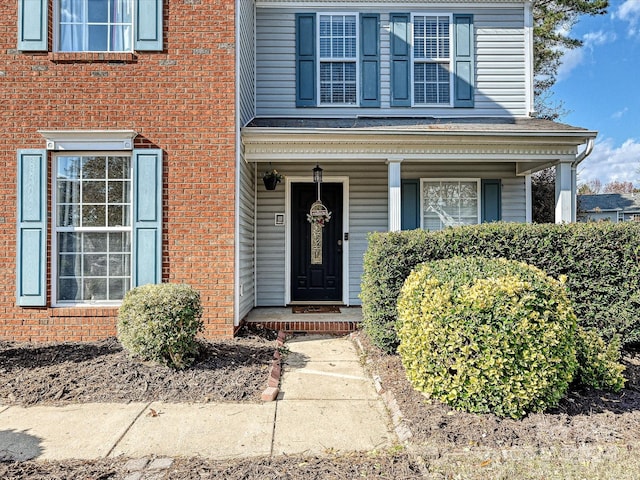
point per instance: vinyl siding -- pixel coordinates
(499, 60)
(247, 60)
(246, 251)
(368, 212)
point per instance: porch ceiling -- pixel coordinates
(532, 143)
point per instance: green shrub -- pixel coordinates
(487, 335)
(600, 260)
(160, 323)
(598, 363)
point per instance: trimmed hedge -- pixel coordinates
(600, 260)
(487, 335)
(159, 323)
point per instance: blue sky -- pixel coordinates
(600, 87)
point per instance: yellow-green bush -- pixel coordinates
(599, 364)
(487, 335)
(160, 322)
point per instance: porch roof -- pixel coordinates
(424, 125)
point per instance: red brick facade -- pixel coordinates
(181, 100)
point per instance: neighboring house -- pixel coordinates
(137, 133)
(609, 207)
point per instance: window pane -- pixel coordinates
(94, 167)
(94, 192)
(118, 167)
(119, 242)
(95, 289)
(69, 265)
(94, 216)
(119, 265)
(69, 167)
(98, 11)
(118, 216)
(117, 288)
(69, 289)
(98, 39)
(94, 242)
(69, 242)
(71, 10)
(68, 216)
(95, 265)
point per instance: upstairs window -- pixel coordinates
(431, 60)
(95, 26)
(338, 55)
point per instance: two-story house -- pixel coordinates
(135, 134)
(420, 115)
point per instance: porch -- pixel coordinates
(344, 321)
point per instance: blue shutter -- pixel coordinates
(370, 60)
(305, 60)
(148, 27)
(491, 201)
(147, 217)
(463, 54)
(33, 16)
(400, 60)
(410, 204)
(31, 247)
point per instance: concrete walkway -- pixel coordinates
(326, 404)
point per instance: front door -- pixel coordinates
(316, 261)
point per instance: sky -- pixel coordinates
(599, 85)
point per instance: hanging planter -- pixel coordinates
(271, 178)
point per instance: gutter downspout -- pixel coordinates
(574, 177)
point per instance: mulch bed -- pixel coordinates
(60, 373)
(236, 370)
(585, 416)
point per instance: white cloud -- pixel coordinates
(572, 58)
(620, 113)
(629, 12)
(609, 162)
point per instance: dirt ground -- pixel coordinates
(61, 373)
(590, 431)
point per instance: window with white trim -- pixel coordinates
(338, 55)
(449, 203)
(94, 26)
(92, 238)
(432, 59)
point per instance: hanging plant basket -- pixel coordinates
(270, 182)
(271, 178)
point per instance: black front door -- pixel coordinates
(317, 279)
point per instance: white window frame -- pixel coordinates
(55, 229)
(322, 60)
(431, 60)
(57, 31)
(477, 181)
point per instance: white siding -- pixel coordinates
(246, 251)
(513, 199)
(499, 59)
(247, 59)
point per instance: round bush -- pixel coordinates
(487, 335)
(160, 323)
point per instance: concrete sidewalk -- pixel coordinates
(326, 403)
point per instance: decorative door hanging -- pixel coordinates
(318, 217)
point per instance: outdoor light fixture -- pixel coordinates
(317, 174)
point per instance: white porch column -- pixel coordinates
(564, 192)
(395, 198)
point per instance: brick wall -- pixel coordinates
(181, 100)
